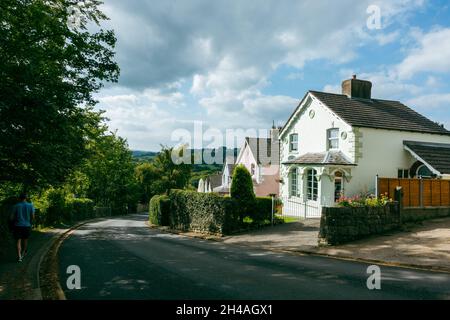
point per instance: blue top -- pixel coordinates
(22, 214)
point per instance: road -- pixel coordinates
(121, 258)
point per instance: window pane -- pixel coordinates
(334, 144)
(293, 182)
(333, 133)
(293, 142)
(312, 185)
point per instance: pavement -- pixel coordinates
(421, 246)
(121, 258)
(20, 281)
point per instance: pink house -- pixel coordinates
(261, 158)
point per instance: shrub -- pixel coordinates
(78, 209)
(204, 212)
(159, 210)
(242, 190)
(364, 201)
(263, 210)
(55, 206)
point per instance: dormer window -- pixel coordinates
(333, 138)
(293, 142)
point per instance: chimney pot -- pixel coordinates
(354, 76)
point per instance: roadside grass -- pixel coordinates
(248, 221)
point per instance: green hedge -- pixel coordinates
(5, 234)
(263, 210)
(207, 212)
(203, 212)
(159, 209)
(78, 209)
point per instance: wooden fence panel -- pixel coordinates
(434, 192)
(414, 194)
(405, 184)
(445, 192)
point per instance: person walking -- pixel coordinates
(23, 215)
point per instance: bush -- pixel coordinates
(263, 210)
(204, 212)
(159, 210)
(242, 191)
(78, 209)
(5, 233)
(55, 207)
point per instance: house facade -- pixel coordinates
(335, 145)
(261, 158)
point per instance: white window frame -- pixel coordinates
(312, 185)
(291, 142)
(293, 192)
(330, 139)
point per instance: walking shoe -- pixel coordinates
(20, 259)
(24, 254)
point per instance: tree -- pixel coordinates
(242, 189)
(107, 175)
(49, 71)
(163, 174)
(148, 178)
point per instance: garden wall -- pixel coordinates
(344, 224)
(424, 213)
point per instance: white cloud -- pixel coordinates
(431, 101)
(384, 39)
(228, 50)
(432, 54)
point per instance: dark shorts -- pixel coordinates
(21, 232)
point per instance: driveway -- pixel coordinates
(121, 258)
(301, 235)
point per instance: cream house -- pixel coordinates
(336, 144)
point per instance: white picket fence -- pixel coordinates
(295, 207)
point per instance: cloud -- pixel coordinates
(212, 60)
(145, 118)
(384, 39)
(431, 54)
(431, 101)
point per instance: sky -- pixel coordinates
(200, 69)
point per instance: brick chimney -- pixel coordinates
(355, 88)
(274, 132)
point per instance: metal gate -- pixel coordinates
(295, 207)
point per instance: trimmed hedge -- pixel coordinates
(159, 210)
(203, 212)
(206, 212)
(263, 210)
(78, 209)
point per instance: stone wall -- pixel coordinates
(424, 213)
(344, 224)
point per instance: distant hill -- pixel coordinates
(139, 155)
(143, 155)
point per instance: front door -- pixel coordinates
(338, 188)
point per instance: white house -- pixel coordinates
(336, 144)
(261, 158)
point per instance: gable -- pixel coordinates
(303, 107)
